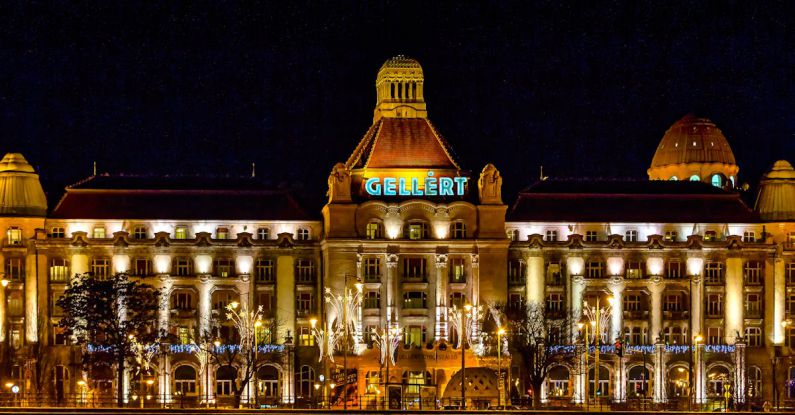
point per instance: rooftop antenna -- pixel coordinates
(95, 168)
(253, 170)
(541, 174)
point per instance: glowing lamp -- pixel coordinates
(203, 264)
(501, 331)
(392, 230)
(4, 282)
(217, 343)
(150, 382)
(468, 307)
(615, 265)
(313, 322)
(359, 286)
(654, 266)
(258, 323)
(162, 264)
(244, 263)
(576, 265)
(698, 338)
(234, 304)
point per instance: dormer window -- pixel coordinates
(631, 236)
(139, 232)
(551, 236)
(590, 236)
(373, 231)
(417, 230)
(749, 236)
(181, 232)
(14, 236)
(303, 234)
(458, 230)
(710, 236)
(57, 232)
(99, 232)
(263, 234)
(670, 236)
(222, 233)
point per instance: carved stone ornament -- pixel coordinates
(391, 261)
(475, 260)
(441, 261)
(339, 184)
(490, 186)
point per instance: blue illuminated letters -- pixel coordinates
(430, 186)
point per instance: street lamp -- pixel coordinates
(257, 325)
(598, 317)
(468, 309)
(501, 388)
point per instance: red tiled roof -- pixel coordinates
(402, 143)
(170, 198)
(652, 201)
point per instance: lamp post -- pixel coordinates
(501, 388)
(468, 309)
(598, 317)
(257, 325)
(322, 350)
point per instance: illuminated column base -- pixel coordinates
(739, 371)
(700, 379)
(659, 372)
(441, 324)
(164, 383)
(578, 395)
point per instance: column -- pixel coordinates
(740, 382)
(285, 294)
(79, 263)
(440, 329)
(775, 297)
(580, 377)
(31, 299)
(359, 334)
(695, 269)
(474, 290)
(391, 289)
(619, 381)
(205, 306)
(574, 268)
(656, 288)
(616, 286)
(163, 311)
(659, 372)
(535, 282)
(699, 375)
(164, 383)
(733, 305)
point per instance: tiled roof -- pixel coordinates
(189, 198)
(402, 143)
(629, 201)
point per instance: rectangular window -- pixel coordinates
(552, 236)
(673, 302)
(181, 232)
(373, 230)
(554, 303)
(265, 299)
(58, 336)
(671, 236)
(414, 336)
(458, 230)
(14, 236)
(789, 270)
(710, 236)
(184, 335)
(264, 271)
(16, 339)
(516, 272)
(791, 305)
(222, 233)
(753, 305)
(15, 269)
(713, 273)
(634, 269)
(372, 300)
(457, 270)
(142, 267)
(263, 233)
(715, 335)
(414, 269)
(305, 336)
(304, 304)
(631, 235)
(714, 305)
(15, 304)
(182, 301)
(590, 236)
(515, 301)
(100, 268)
(753, 272)
(57, 232)
(224, 267)
(632, 302)
(372, 269)
(303, 234)
(305, 271)
(674, 268)
(99, 232)
(417, 230)
(59, 270)
(414, 299)
(754, 336)
(183, 266)
(749, 236)
(594, 268)
(458, 300)
(139, 232)
(791, 338)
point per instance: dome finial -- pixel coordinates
(399, 89)
(21, 193)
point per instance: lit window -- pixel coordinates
(552, 236)
(590, 236)
(15, 268)
(372, 270)
(59, 270)
(457, 270)
(14, 236)
(694, 178)
(263, 233)
(710, 236)
(754, 336)
(670, 236)
(631, 235)
(57, 232)
(142, 267)
(139, 232)
(305, 337)
(264, 270)
(99, 232)
(100, 268)
(717, 180)
(303, 234)
(634, 269)
(181, 232)
(222, 233)
(673, 178)
(414, 336)
(458, 230)
(417, 230)
(373, 230)
(749, 236)
(224, 267)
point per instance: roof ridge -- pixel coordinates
(374, 141)
(446, 147)
(357, 152)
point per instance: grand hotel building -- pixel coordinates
(682, 254)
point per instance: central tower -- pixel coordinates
(399, 91)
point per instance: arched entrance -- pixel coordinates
(719, 379)
(558, 382)
(481, 388)
(601, 388)
(638, 382)
(268, 384)
(678, 381)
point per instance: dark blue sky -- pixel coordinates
(584, 88)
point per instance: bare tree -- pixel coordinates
(533, 334)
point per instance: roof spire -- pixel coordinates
(95, 168)
(399, 90)
(253, 169)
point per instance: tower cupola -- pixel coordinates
(399, 90)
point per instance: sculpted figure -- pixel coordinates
(339, 184)
(490, 186)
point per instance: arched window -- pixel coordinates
(374, 230)
(416, 230)
(604, 381)
(224, 377)
(731, 178)
(717, 180)
(392, 90)
(268, 382)
(673, 178)
(558, 382)
(638, 382)
(185, 380)
(306, 380)
(754, 381)
(694, 178)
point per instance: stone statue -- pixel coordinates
(339, 184)
(490, 186)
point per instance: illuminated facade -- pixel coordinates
(682, 258)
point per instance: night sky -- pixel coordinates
(584, 88)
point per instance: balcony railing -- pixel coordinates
(415, 278)
(374, 278)
(675, 314)
(636, 314)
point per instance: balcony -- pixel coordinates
(555, 280)
(714, 280)
(516, 282)
(372, 279)
(183, 312)
(414, 279)
(675, 314)
(714, 314)
(636, 314)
